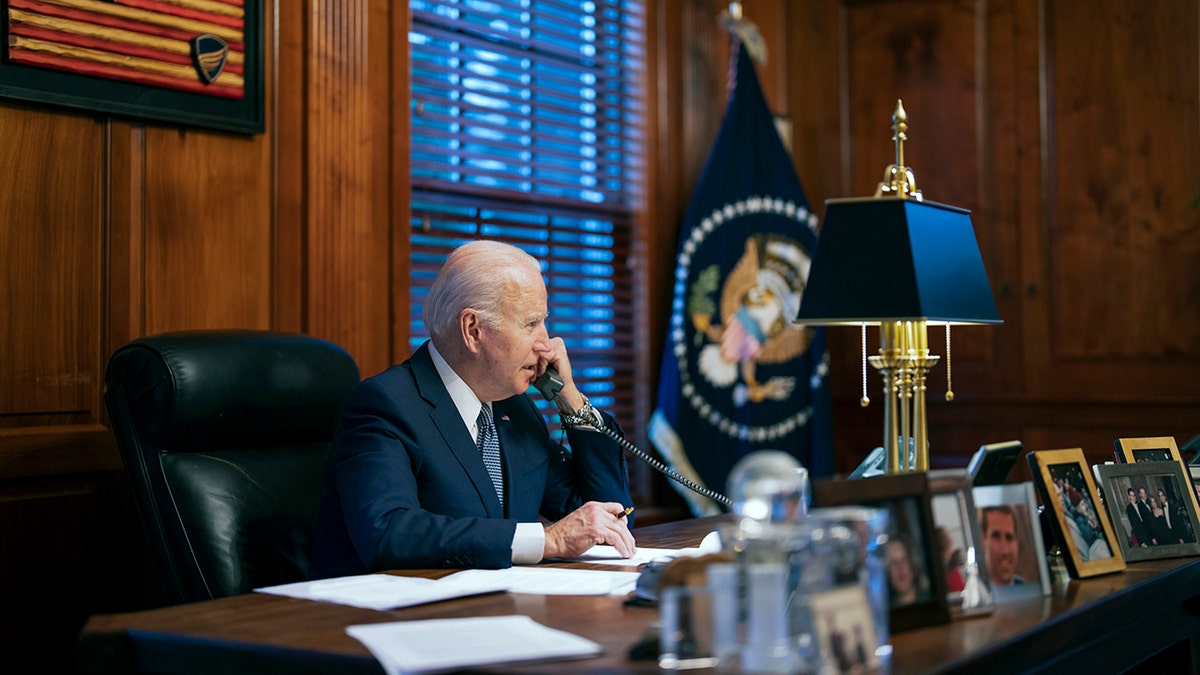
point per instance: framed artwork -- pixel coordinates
(1152, 508)
(1194, 472)
(1012, 540)
(188, 63)
(958, 543)
(1081, 528)
(916, 581)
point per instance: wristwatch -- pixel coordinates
(586, 416)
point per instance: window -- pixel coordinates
(526, 128)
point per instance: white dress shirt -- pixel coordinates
(529, 540)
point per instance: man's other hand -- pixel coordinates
(591, 524)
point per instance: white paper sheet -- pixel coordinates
(445, 644)
(602, 554)
(383, 591)
(550, 580)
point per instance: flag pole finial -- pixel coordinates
(745, 31)
(899, 180)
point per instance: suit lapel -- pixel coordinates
(444, 415)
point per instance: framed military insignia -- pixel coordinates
(185, 62)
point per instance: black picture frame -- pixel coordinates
(906, 497)
(991, 464)
(1148, 531)
(1194, 474)
(140, 101)
(1064, 483)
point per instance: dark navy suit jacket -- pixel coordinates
(406, 486)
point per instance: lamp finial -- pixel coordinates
(899, 180)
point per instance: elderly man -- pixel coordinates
(443, 460)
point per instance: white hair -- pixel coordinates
(475, 276)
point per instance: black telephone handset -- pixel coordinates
(550, 383)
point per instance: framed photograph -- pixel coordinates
(991, 464)
(916, 581)
(1150, 449)
(200, 64)
(1152, 508)
(1013, 553)
(845, 629)
(1081, 528)
(1194, 472)
(958, 543)
(1190, 450)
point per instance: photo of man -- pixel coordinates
(1000, 544)
(1011, 557)
(1139, 529)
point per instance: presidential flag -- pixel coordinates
(737, 375)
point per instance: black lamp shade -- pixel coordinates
(892, 259)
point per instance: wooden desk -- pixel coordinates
(1104, 624)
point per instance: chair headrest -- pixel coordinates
(203, 390)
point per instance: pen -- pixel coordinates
(626, 512)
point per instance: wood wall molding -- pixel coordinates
(56, 450)
(346, 176)
(50, 227)
(124, 223)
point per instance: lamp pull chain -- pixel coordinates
(865, 400)
(949, 386)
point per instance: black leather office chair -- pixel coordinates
(224, 435)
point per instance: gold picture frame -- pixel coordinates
(1147, 449)
(1078, 521)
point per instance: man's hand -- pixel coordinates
(591, 524)
(553, 353)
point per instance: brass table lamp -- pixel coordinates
(899, 262)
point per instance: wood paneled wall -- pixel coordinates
(1072, 136)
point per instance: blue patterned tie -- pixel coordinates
(489, 445)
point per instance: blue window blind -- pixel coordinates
(526, 128)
